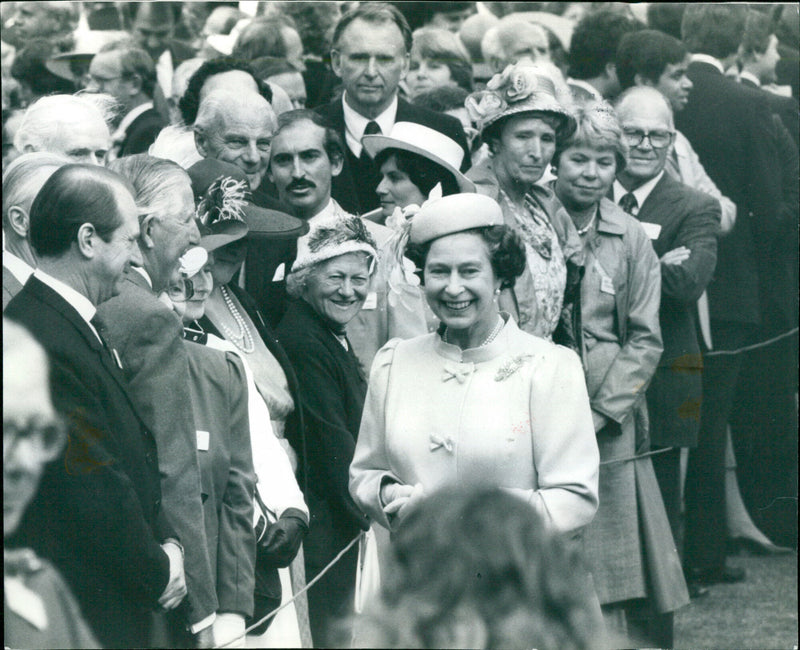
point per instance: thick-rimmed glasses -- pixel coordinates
(658, 139)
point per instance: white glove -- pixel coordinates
(226, 627)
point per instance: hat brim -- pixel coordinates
(374, 144)
(61, 65)
(568, 123)
(272, 224)
(223, 233)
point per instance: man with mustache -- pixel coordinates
(306, 156)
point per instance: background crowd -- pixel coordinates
(426, 324)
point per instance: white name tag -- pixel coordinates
(372, 301)
(280, 272)
(653, 230)
(607, 286)
(203, 440)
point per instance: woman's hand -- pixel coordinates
(401, 499)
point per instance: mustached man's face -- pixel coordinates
(301, 169)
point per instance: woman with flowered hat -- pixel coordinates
(479, 402)
(522, 115)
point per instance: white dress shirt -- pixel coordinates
(355, 124)
(19, 268)
(641, 193)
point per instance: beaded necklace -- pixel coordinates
(491, 337)
(244, 339)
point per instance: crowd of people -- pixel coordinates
(394, 324)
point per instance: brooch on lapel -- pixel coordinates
(511, 366)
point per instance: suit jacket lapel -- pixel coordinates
(652, 210)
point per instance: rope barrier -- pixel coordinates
(655, 452)
(755, 346)
(297, 595)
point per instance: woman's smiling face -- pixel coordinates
(460, 283)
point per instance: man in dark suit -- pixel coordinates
(370, 54)
(731, 129)
(149, 338)
(682, 225)
(97, 515)
(129, 76)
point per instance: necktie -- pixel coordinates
(373, 128)
(629, 204)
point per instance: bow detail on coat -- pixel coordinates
(460, 372)
(438, 443)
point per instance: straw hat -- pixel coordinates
(260, 222)
(73, 65)
(333, 236)
(425, 142)
(452, 214)
(521, 88)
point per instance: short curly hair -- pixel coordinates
(506, 253)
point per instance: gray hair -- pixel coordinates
(498, 39)
(25, 176)
(216, 102)
(156, 182)
(46, 118)
(297, 281)
(636, 94)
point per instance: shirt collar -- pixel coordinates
(707, 58)
(744, 74)
(119, 134)
(19, 268)
(78, 301)
(141, 271)
(355, 124)
(641, 193)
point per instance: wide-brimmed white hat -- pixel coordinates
(425, 142)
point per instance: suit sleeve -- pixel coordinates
(329, 443)
(236, 549)
(632, 369)
(157, 370)
(97, 499)
(698, 232)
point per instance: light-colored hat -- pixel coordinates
(334, 236)
(71, 65)
(522, 87)
(454, 213)
(425, 142)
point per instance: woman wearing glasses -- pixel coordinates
(629, 546)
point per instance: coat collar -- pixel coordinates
(611, 218)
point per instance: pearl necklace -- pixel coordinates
(244, 339)
(492, 335)
(585, 229)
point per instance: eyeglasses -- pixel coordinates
(47, 438)
(658, 139)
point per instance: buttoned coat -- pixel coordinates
(691, 219)
(97, 515)
(149, 338)
(354, 188)
(629, 546)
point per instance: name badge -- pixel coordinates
(203, 440)
(372, 301)
(607, 286)
(652, 230)
(280, 272)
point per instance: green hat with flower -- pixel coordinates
(521, 88)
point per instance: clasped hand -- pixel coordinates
(175, 591)
(401, 499)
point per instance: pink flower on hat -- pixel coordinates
(515, 83)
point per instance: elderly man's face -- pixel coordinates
(533, 47)
(371, 60)
(174, 232)
(105, 76)
(641, 119)
(241, 137)
(85, 141)
(301, 169)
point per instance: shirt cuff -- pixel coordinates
(202, 625)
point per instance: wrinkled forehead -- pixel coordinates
(80, 132)
(303, 135)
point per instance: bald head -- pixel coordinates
(65, 124)
(645, 101)
(236, 129)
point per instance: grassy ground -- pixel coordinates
(760, 613)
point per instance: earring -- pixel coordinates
(554, 170)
